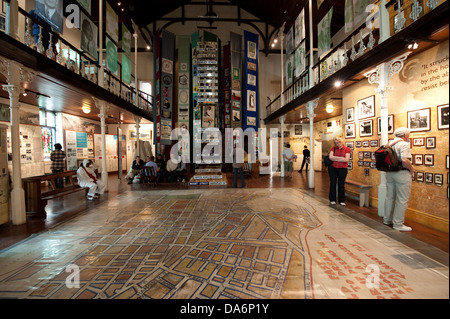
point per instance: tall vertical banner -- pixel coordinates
(184, 66)
(157, 94)
(251, 96)
(235, 65)
(227, 86)
(167, 85)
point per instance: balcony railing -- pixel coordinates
(64, 53)
(361, 40)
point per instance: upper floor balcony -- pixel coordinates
(391, 27)
(67, 75)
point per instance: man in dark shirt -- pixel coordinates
(136, 167)
(306, 155)
(58, 164)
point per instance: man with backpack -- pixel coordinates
(399, 182)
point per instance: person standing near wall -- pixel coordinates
(340, 155)
(399, 183)
(58, 157)
(288, 157)
(306, 158)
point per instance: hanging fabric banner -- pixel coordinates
(227, 85)
(251, 111)
(166, 85)
(324, 33)
(235, 65)
(157, 94)
(184, 66)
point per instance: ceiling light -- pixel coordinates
(338, 83)
(86, 109)
(330, 108)
(148, 47)
(275, 40)
(273, 45)
(413, 45)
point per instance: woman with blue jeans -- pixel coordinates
(340, 155)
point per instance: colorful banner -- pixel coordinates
(157, 94)
(227, 86)
(184, 66)
(251, 111)
(235, 65)
(167, 85)
(324, 33)
(126, 69)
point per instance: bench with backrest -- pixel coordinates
(363, 192)
(149, 176)
(40, 189)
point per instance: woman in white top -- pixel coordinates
(87, 178)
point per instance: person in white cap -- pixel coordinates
(399, 182)
(87, 178)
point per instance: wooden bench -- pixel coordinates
(37, 195)
(246, 169)
(363, 192)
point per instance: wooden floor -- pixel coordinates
(65, 208)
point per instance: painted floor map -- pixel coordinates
(217, 244)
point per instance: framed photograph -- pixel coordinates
(350, 114)
(431, 142)
(350, 165)
(358, 144)
(298, 130)
(366, 128)
(350, 130)
(439, 179)
(361, 155)
(419, 177)
(367, 154)
(366, 164)
(419, 120)
(366, 143)
(428, 177)
(366, 107)
(390, 124)
(360, 163)
(443, 119)
(366, 171)
(418, 159)
(351, 156)
(418, 141)
(374, 143)
(373, 165)
(349, 145)
(428, 159)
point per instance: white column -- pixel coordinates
(281, 36)
(381, 75)
(15, 75)
(103, 107)
(12, 19)
(282, 118)
(137, 119)
(101, 72)
(311, 115)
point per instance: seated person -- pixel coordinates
(152, 163)
(162, 167)
(180, 171)
(148, 159)
(171, 167)
(87, 178)
(136, 167)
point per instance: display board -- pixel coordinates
(4, 177)
(79, 146)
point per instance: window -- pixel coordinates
(47, 121)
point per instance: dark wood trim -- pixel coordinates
(395, 45)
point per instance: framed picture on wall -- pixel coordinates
(350, 130)
(350, 114)
(366, 143)
(418, 159)
(419, 120)
(358, 144)
(418, 141)
(366, 128)
(419, 177)
(428, 177)
(431, 142)
(443, 117)
(349, 145)
(438, 179)
(428, 159)
(350, 165)
(390, 124)
(366, 107)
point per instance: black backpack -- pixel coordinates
(387, 159)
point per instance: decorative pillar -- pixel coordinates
(282, 119)
(281, 36)
(137, 119)
(103, 107)
(15, 75)
(311, 106)
(381, 75)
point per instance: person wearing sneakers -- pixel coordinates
(340, 155)
(399, 183)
